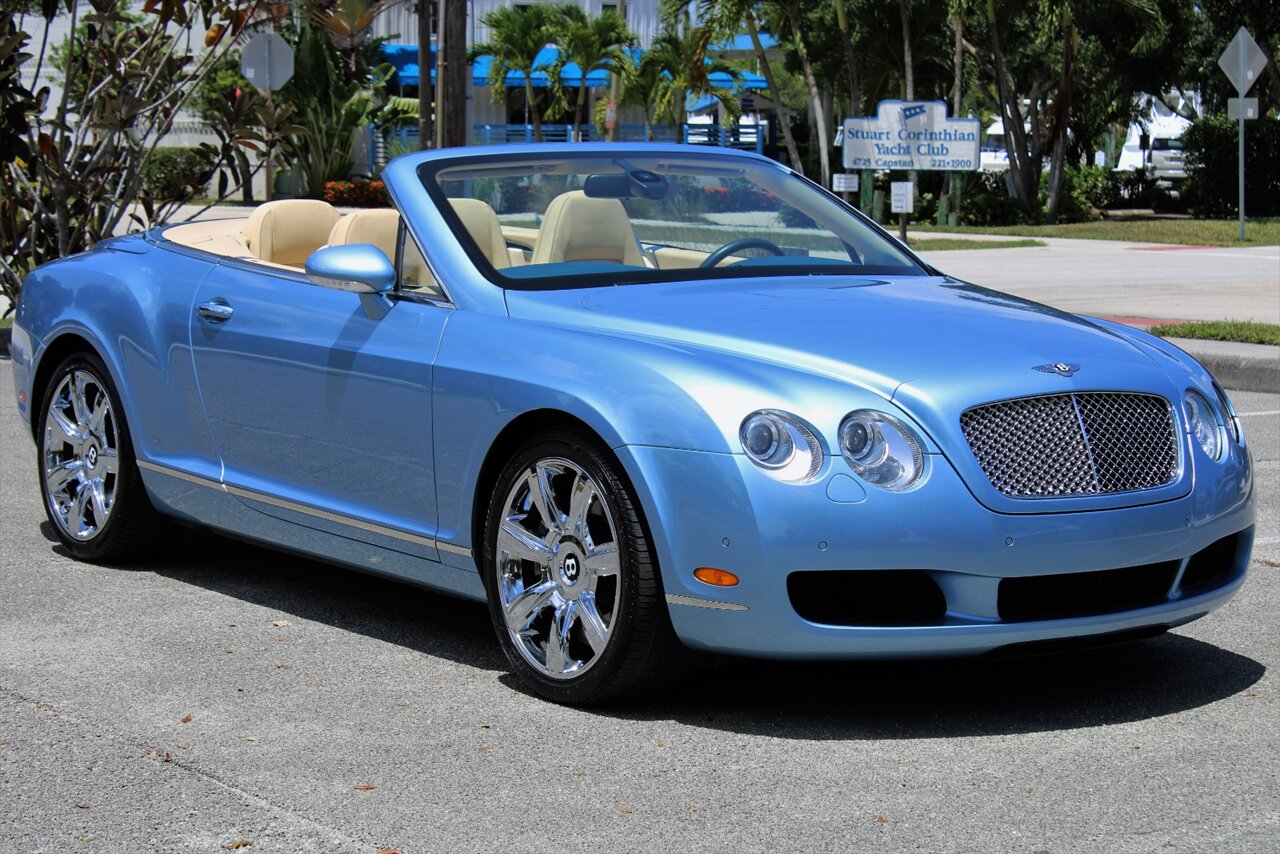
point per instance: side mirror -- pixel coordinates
(361, 268)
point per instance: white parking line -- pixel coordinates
(1252, 414)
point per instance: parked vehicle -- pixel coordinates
(672, 396)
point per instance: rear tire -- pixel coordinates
(89, 480)
(572, 583)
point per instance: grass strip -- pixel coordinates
(947, 244)
(1240, 331)
(1186, 232)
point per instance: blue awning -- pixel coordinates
(743, 43)
(405, 59)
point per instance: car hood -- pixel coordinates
(878, 333)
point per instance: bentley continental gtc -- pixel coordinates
(638, 399)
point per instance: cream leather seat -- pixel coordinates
(578, 228)
(482, 224)
(381, 227)
(377, 226)
(287, 231)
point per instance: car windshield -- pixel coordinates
(558, 221)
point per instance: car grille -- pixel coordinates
(1084, 443)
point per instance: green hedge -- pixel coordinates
(176, 174)
(1211, 147)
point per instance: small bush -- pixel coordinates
(357, 194)
(986, 201)
(176, 174)
(1211, 146)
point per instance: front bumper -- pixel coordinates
(717, 510)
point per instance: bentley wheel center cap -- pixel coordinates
(92, 457)
(571, 568)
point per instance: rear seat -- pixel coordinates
(287, 231)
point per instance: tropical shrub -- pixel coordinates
(357, 194)
(176, 174)
(1211, 148)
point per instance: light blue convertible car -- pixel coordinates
(637, 398)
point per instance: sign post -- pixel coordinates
(267, 62)
(1242, 62)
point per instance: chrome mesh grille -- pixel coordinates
(1087, 443)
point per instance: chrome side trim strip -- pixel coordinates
(674, 599)
(306, 510)
(198, 480)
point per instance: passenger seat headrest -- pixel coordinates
(378, 226)
(287, 231)
(482, 224)
(580, 228)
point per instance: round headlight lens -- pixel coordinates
(1204, 425)
(781, 444)
(881, 449)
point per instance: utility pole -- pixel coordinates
(442, 70)
(426, 101)
(457, 83)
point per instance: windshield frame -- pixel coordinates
(428, 173)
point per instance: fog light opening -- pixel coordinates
(715, 577)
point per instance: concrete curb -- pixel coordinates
(1242, 367)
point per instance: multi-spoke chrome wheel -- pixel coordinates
(81, 455)
(93, 494)
(573, 587)
(557, 554)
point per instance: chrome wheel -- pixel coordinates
(558, 570)
(80, 455)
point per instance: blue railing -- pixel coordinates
(749, 137)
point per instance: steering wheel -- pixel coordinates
(738, 245)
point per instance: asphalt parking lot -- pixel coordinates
(221, 694)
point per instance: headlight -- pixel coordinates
(782, 445)
(1234, 427)
(1204, 425)
(881, 450)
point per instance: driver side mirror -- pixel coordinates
(360, 268)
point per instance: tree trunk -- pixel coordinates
(1015, 137)
(815, 101)
(457, 81)
(793, 153)
(1061, 109)
(577, 110)
(532, 105)
(908, 63)
(855, 85)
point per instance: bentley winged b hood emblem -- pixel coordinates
(1062, 369)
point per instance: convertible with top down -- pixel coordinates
(638, 398)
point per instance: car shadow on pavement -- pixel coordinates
(803, 700)
(380, 608)
(959, 697)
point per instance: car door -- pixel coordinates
(319, 401)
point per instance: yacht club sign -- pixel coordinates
(911, 135)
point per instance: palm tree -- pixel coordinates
(593, 44)
(644, 84)
(349, 24)
(727, 17)
(517, 34)
(683, 55)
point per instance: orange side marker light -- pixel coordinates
(715, 577)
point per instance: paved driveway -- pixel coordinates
(221, 693)
(1113, 278)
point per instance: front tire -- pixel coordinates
(93, 494)
(572, 584)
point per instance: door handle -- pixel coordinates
(215, 311)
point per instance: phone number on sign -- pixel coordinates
(962, 164)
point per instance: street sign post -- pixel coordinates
(1242, 62)
(267, 63)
